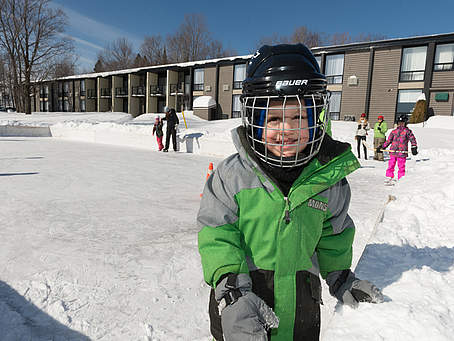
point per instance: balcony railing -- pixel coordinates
(176, 89)
(198, 87)
(91, 93)
(106, 92)
(443, 66)
(411, 76)
(138, 90)
(238, 85)
(119, 92)
(236, 114)
(156, 90)
(335, 79)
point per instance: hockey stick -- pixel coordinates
(384, 150)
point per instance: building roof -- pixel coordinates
(439, 38)
(156, 67)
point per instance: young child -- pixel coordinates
(361, 134)
(398, 142)
(380, 129)
(157, 127)
(274, 216)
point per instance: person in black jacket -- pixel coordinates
(172, 124)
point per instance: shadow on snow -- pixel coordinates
(384, 264)
(22, 320)
(13, 174)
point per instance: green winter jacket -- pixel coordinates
(247, 223)
(380, 129)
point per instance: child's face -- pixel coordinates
(280, 138)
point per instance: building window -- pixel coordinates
(66, 89)
(406, 100)
(334, 68)
(239, 74)
(82, 87)
(319, 61)
(444, 57)
(44, 106)
(413, 64)
(198, 79)
(236, 106)
(82, 105)
(334, 105)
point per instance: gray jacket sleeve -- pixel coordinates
(220, 241)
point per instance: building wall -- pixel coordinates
(104, 104)
(443, 80)
(152, 101)
(385, 81)
(77, 95)
(354, 96)
(441, 108)
(70, 96)
(117, 102)
(209, 82)
(225, 91)
(172, 78)
(133, 101)
(90, 103)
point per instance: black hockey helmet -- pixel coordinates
(283, 70)
(284, 79)
(402, 118)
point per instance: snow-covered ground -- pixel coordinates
(99, 241)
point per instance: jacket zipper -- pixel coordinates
(287, 210)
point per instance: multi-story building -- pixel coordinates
(381, 77)
(387, 77)
(148, 89)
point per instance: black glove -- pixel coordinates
(414, 150)
(359, 126)
(379, 149)
(244, 315)
(350, 290)
(379, 129)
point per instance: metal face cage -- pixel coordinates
(285, 131)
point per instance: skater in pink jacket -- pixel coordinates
(398, 144)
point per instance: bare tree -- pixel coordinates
(346, 38)
(193, 41)
(117, 55)
(31, 34)
(340, 38)
(307, 37)
(190, 41)
(66, 66)
(5, 83)
(140, 61)
(153, 50)
(369, 37)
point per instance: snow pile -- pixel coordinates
(99, 242)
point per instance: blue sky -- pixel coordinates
(241, 24)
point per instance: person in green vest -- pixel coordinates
(380, 129)
(274, 216)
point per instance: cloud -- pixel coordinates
(97, 32)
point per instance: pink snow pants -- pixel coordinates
(160, 145)
(392, 163)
